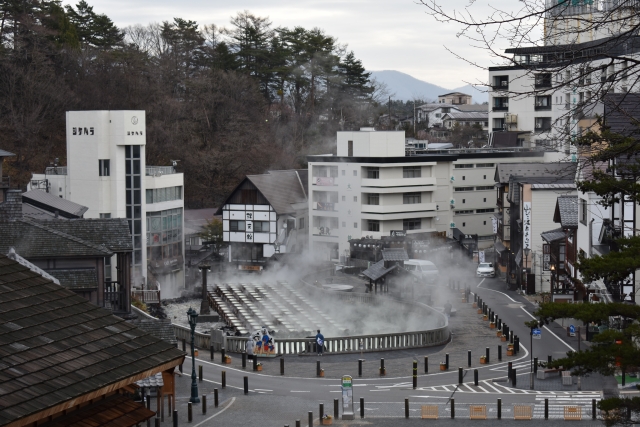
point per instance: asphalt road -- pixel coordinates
(385, 396)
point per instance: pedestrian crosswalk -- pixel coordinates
(503, 388)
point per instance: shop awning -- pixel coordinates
(499, 246)
(118, 411)
(378, 270)
(553, 235)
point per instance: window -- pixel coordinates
(373, 225)
(411, 198)
(104, 167)
(501, 103)
(463, 189)
(464, 178)
(333, 172)
(411, 224)
(488, 210)
(464, 200)
(465, 166)
(163, 194)
(543, 103)
(344, 198)
(411, 172)
(438, 115)
(485, 165)
(355, 198)
(500, 82)
(355, 225)
(344, 224)
(464, 224)
(583, 211)
(484, 222)
(485, 187)
(261, 226)
(301, 223)
(484, 176)
(484, 200)
(543, 80)
(237, 225)
(105, 215)
(350, 148)
(464, 212)
(343, 172)
(373, 199)
(355, 173)
(373, 173)
(543, 124)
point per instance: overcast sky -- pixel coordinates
(384, 34)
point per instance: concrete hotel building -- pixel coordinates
(371, 187)
(107, 172)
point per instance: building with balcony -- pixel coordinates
(373, 187)
(106, 171)
(267, 214)
(455, 98)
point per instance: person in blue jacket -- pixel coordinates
(319, 343)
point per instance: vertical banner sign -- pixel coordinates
(494, 223)
(347, 398)
(526, 225)
(481, 256)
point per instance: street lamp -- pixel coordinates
(193, 319)
(553, 278)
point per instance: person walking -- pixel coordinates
(319, 343)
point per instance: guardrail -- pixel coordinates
(146, 296)
(200, 340)
(159, 170)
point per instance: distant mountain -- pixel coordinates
(405, 87)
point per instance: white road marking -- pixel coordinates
(549, 330)
(262, 389)
(300, 391)
(233, 399)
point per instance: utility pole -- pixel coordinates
(389, 111)
(414, 118)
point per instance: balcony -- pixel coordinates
(389, 209)
(497, 129)
(159, 170)
(324, 206)
(501, 85)
(399, 182)
(546, 84)
(324, 181)
(543, 128)
(55, 170)
(501, 108)
(543, 107)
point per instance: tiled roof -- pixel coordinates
(159, 328)
(561, 171)
(281, 188)
(51, 203)
(32, 212)
(4, 153)
(394, 254)
(471, 115)
(112, 233)
(34, 239)
(80, 278)
(566, 212)
(57, 348)
(378, 270)
(553, 235)
(116, 410)
(152, 381)
(481, 108)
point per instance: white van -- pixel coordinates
(424, 270)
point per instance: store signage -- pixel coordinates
(526, 225)
(398, 233)
(82, 131)
(324, 180)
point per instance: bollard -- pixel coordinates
(200, 373)
(381, 365)
(297, 423)
(224, 379)
(499, 408)
(204, 403)
(215, 397)
(535, 365)
(211, 352)
(321, 410)
(426, 364)
(246, 385)
(406, 408)
(469, 358)
(281, 366)
(336, 408)
(222, 354)
(255, 363)
(510, 337)
(318, 368)
(415, 374)
(175, 418)
(359, 367)
(513, 377)
(190, 412)
(184, 344)
(157, 422)
(593, 409)
(549, 360)
(310, 419)
(486, 354)
(516, 344)
(546, 409)
(475, 377)
(362, 407)
(180, 367)
(453, 408)
(460, 375)
(499, 352)
(446, 361)
(244, 360)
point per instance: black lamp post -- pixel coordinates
(193, 319)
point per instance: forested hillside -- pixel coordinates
(224, 101)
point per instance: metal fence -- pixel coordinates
(159, 170)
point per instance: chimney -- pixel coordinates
(11, 208)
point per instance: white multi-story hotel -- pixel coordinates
(106, 172)
(371, 188)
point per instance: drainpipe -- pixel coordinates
(591, 236)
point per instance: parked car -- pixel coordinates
(485, 269)
(422, 269)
